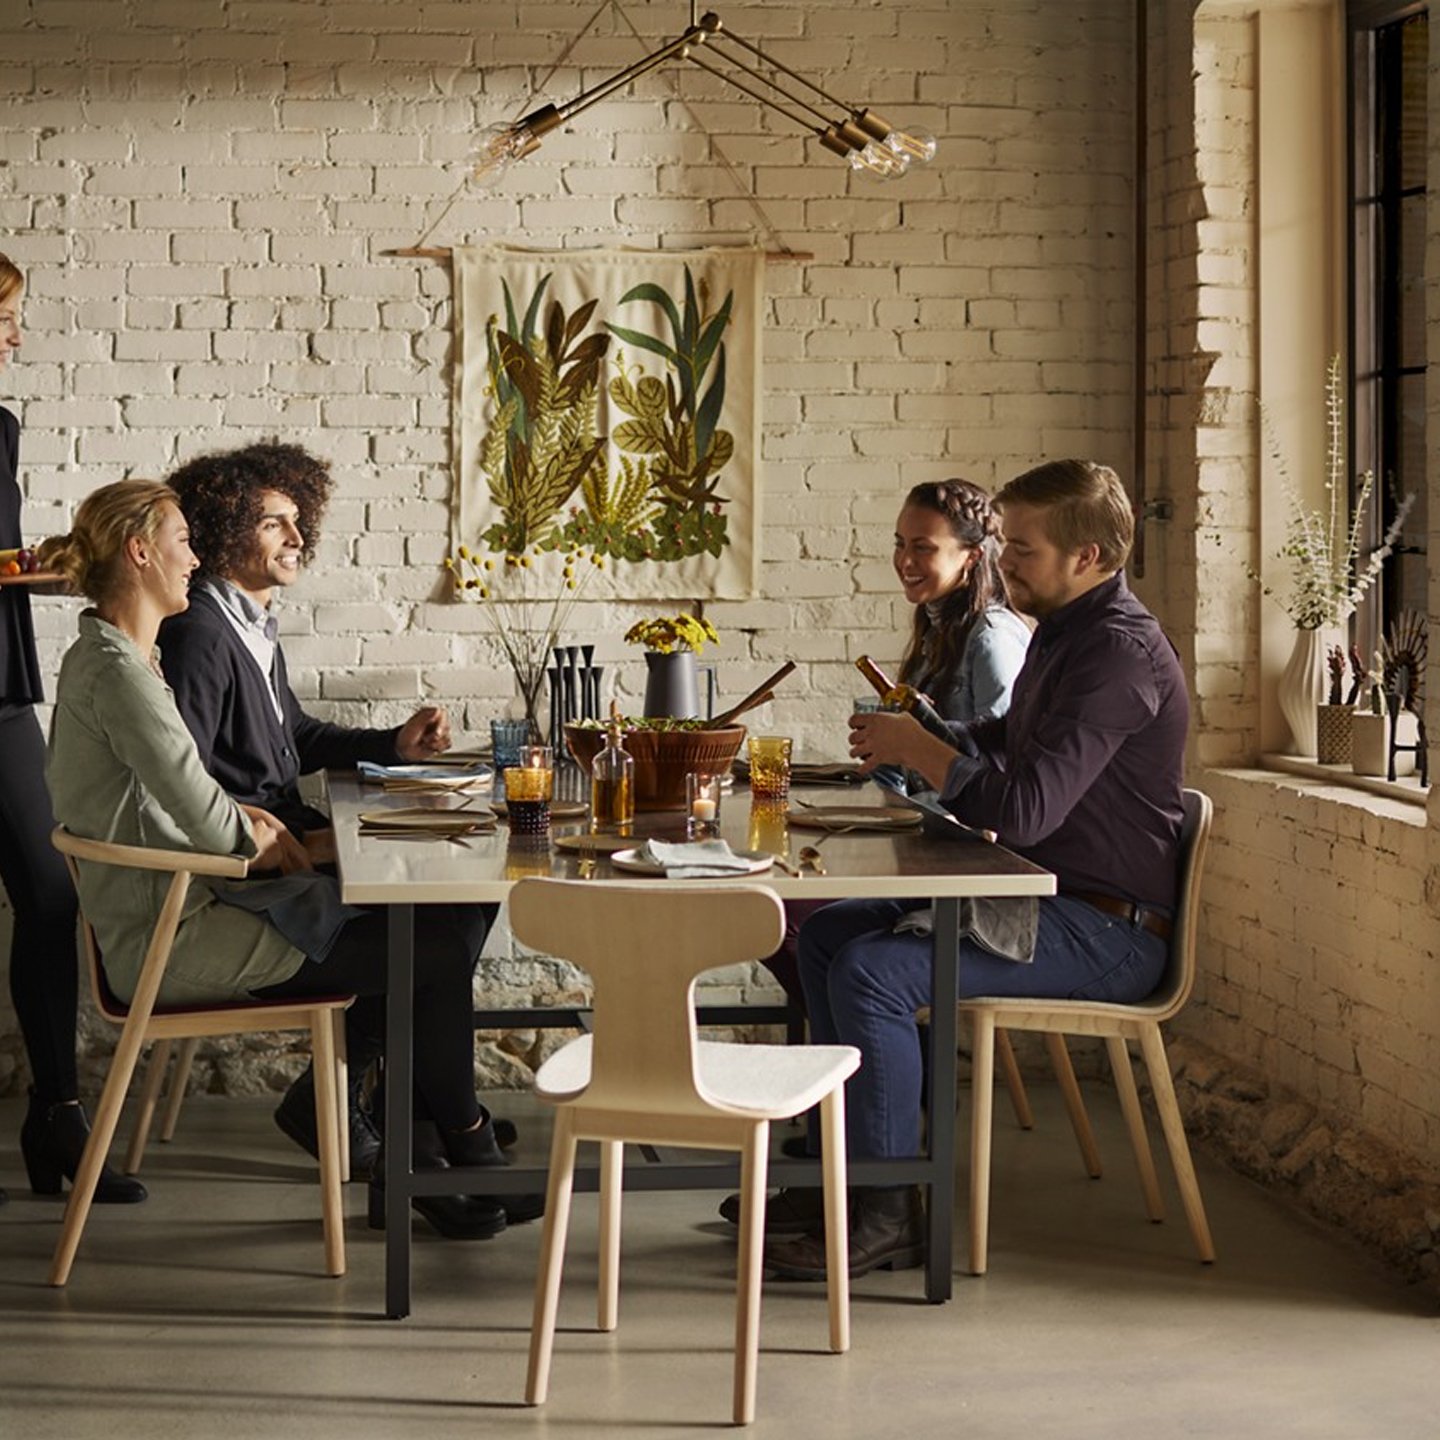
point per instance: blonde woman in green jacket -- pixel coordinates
(123, 767)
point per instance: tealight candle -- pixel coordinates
(702, 797)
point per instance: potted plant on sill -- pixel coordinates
(1327, 577)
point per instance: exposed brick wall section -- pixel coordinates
(200, 192)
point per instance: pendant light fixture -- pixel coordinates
(867, 140)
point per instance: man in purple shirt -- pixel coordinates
(1082, 776)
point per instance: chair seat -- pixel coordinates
(764, 1082)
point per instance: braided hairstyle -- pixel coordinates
(935, 647)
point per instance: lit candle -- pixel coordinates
(702, 809)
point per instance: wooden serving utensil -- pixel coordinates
(764, 691)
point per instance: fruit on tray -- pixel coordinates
(19, 562)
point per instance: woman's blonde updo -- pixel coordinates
(11, 279)
(91, 556)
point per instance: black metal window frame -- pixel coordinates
(1378, 367)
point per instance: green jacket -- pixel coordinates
(122, 767)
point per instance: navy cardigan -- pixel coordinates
(225, 704)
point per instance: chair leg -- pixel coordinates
(837, 1228)
(149, 1094)
(342, 1090)
(322, 1039)
(179, 1082)
(1014, 1083)
(1152, 1046)
(1074, 1103)
(102, 1132)
(552, 1256)
(754, 1164)
(1119, 1054)
(612, 1177)
(982, 1104)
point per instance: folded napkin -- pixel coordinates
(712, 858)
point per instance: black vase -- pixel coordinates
(671, 686)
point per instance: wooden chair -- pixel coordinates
(644, 1076)
(143, 1021)
(1118, 1024)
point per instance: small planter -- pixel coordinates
(1332, 733)
(1369, 737)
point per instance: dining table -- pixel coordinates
(399, 872)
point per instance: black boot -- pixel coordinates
(795, 1210)
(52, 1141)
(295, 1115)
(887, 1232)
(456, 1217)
(481, 1146)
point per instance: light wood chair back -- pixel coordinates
(1118, 1025)
(646, 1076)
(143, 1020)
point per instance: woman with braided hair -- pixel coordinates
(967, 644)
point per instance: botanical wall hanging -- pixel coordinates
(607, 417)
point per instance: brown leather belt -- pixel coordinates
(1151, 920)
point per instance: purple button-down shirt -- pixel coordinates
(1084, 774)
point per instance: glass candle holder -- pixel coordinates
(769, 766)
(702, 805)
(528, 791)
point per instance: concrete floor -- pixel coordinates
(204, 1313)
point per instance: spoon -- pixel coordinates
(810, 856)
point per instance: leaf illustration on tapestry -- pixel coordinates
(541, 445)
(674, 421)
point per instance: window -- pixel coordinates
(1389, 55)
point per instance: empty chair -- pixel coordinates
(143, 1021)
(1118, 1024)
(644, 1076)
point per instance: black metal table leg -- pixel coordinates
(940, 1105)
(399, 1125)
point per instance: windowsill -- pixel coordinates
(1408, 791)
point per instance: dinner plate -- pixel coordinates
(593, 844)
(632, 860)
(854, 817)
(418, 818)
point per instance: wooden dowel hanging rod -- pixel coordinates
(443, 252)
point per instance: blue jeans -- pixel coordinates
(863, 985)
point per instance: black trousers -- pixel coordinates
(44, 967)
(448, 939)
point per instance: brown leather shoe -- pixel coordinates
(887, 1232)
(798, 1210)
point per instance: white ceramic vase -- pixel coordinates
(1302, 687)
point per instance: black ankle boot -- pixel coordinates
(52, 1141)
(481, 1146)
(295, 1115)
(456, 1217)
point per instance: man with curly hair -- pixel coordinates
(254, 517)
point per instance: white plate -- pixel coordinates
(632, 860)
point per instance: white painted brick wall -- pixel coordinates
(200, 192)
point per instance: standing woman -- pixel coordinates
(43, 964)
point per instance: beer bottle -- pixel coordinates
(906, 698)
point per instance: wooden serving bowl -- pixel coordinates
(662, 758)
